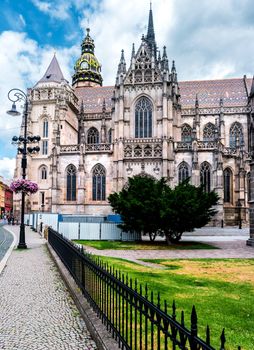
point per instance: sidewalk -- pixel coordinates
(36, 309)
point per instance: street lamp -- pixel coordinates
(17, 95)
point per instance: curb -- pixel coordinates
(98, 331)
(3, 262)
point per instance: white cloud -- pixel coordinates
(7, 166)
(56, 9)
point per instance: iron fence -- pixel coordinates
(136, 318)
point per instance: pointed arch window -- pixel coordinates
(71, 183)
(186, 134)
(236, 135)
(183, 172)
(110, 136)
(205, 176)
(99, 183)
(45, 132)
(44, 173)
(143, 118)
(93, 136)
(209, 132)
(227, 177)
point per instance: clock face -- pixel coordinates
(84, 65)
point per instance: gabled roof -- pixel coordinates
(53, 73)
(209, 92)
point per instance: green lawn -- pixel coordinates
(145, 245)
(221, 289)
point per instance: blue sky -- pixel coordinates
(207, 39)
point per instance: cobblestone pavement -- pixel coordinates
(36, 309)
(230, 241)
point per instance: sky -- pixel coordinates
(207, 39)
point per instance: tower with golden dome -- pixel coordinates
(87, 68)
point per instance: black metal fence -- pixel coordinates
(135, 318)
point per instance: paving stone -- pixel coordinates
(36, 309)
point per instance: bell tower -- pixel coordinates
(87, 68)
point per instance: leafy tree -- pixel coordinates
(139, 204)
(186, 207)
(150, 206)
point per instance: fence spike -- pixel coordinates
(136, 285)
(165, 307)
(208, 335)
(131, 283)
(194, 320)
(222, 340)
(123, 278)
(140, 289)
(158, 300)
(182, 318)
(152, 297)
(127, 280)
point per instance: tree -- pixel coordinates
(139, 204)
(185, 208)
(148, 205)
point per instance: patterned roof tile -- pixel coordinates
(209, 93)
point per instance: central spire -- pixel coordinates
(150, 37)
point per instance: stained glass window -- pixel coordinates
(186, 133)
(99, 183)
(209, 132)
(227, 175)
(143, 118)
(92, 136)
(205, 176)
(71, 183)
(235, 134)
(183, 172)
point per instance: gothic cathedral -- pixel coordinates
(94, 137)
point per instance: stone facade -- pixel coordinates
(95, 137)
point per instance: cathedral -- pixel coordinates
(94, 137)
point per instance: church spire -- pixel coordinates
(53, 73)
(150, 37)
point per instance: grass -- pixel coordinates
(221, 289)
(145, 245)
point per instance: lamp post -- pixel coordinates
(17, 95)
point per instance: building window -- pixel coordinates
(45, 132)
(92, 136)
(205, 176)
(44, 147)
(227, 176)
(183, 172)
(42, 200)
(110, 136)
(71, 183)
(236, 135)
(44, 173)
(99, 183)
(186, 135)
(143, 118)
(209, 132)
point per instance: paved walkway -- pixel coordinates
(230, 241)
(37, 312)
